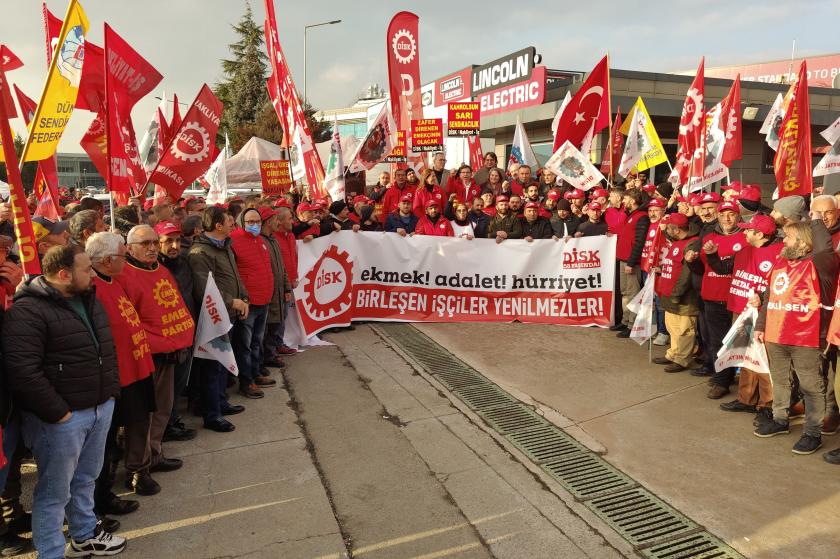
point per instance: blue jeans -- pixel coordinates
(69, 456)
(213, 381)
(247, 343)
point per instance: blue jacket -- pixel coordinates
(396, 221)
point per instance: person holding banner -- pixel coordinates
(433, 223)
(793, 321)
(533, 225)
(564, 224)
(403, 221)
(504, 224)
(631, 241)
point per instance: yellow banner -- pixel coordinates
(61, 88)
(656, 154)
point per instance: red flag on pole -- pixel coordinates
(17, 198)
(612, 158)
(189, 153)
(476, 153)
(175, 123)
(590, 104)
(94, 142)
(8, 62)
(793, 158)
(730, 124)
(403, 48)
(692, 136)
(47, 190)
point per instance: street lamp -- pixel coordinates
(305, 29)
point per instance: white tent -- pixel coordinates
(243, 169)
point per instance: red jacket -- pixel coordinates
(441, 228)
(254, 262)
(391, 198)
(457, 188)
(422, 195)
(288, 250)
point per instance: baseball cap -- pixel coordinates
(266, 212)
(432, 202)
(734, 185)
(678, 219)
(761, 223)
(710, 198)
(167, 228)
(595, 206)
(694, 199)
(553, 195)
(304, 207)
(649, 188)
(750, 192)
(359, 199)
(532, 205)
(282, 203)
(575, 194)
(729, 207)
(599, 193)
(656, 203)
(42, 227)
(501, 198)
(406, 198)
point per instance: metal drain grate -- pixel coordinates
(696, 546)
(546, 443)
(640, 517)
(586, 475)
(654, 528)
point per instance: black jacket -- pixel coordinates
(571, 225)
(52, 362)
(539, 229)
(589, 229)
(180, 269)
(639, 238)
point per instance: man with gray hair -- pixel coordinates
(441, 173)
(824, 207)
(134, 361)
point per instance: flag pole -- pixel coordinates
(609, 126)
(108, 177)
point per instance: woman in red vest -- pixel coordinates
(793, 323)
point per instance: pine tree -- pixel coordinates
(243, 90)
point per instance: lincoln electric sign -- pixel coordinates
(510, 69)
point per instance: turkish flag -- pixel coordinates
(793, 158)
(128, 77)
(692, 136)
(613, 152)
(730, 124)
(590, 103)
(189, 153)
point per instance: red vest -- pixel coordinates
(751, 269)
(715, 287)
(163, 314)
(833, 336)
(134, 356)
(672, 265)
(647, 260)
(626, 236)
(793, 304)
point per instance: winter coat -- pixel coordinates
(540, 228)
(52, 362)
(564, 227)
(179, 267)
(288, 251)
(440, 228)
(423, 195)
(508, 223)
(589, 229)
(396, 221)
(206, 257)
(254, 263)
(281, 281)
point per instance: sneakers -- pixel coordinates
(764, 415)
(662, 339)
(12, 544)
(618, 327)
(831, 425)
(771, 429)
(737, 405)
(832, 457)
(101, 544)
(623, 334)
(716, 392)
(251, 391)
(807, 444)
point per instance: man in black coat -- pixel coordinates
(534, 226)
(62, 371)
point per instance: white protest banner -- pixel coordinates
(350, 276)
(740, 349)
(213, 324)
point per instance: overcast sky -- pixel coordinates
(185, 39)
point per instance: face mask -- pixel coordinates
(253, 229)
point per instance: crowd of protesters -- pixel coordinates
(98, 350)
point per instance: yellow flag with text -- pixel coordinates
(61, 88)
(656, 154)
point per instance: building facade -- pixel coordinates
(75, 170)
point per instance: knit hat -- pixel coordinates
(665, 189)
(564, 205)
(791, 207)
(337, 207)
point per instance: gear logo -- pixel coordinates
(165, 294)
(404, 46)
(329, 287)
(692, 110)
(737, 247)
(128, 312)
(192, 144)
(781, 283)
(765, 266)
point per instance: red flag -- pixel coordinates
(476, 153)
(175, 123)
(730, 124)
(285, 98)
(128, 77)
(612, 158)
(47, 170)
(17, 198)
(188, 154)
(8, 60)
(590, 104)
(692, 137)
(46, 206)
(94, 142)
(403, 47)
(793, 158)
(92, 86)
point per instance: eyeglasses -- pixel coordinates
(146, 244)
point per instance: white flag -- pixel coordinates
(378, 144)
(832, 133)
(213, 324)
(521, 151)
(148, 148)
(714, 169)
(574, 167)
(586, 144)
(771, 125)
(216, 176)
(642, 305)
(334, 180)
(638, 143)
(830, 163)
